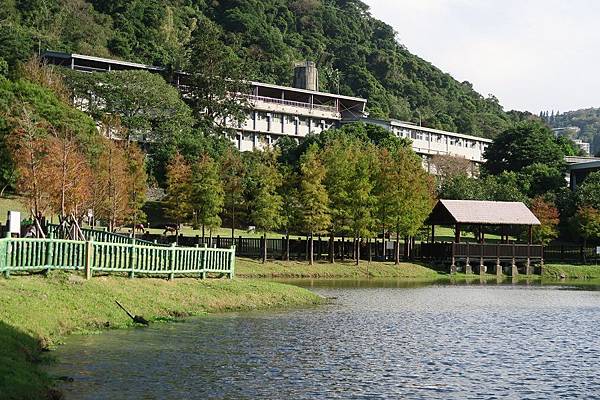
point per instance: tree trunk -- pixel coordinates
(331, 248)
(202, 233)
(311, 250)
(232, 222)
(397, 249)
(264, 248)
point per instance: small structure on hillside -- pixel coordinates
(475, 214)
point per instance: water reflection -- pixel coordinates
(389, 341)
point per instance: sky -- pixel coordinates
(532, 55)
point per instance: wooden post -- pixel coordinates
(4, 246)
(468, 268)
(530, 235)
(204, 256)
(498, 265)
(232, 262)
(453, 269)
(432, 233)
(457, 233)
(514, 269)
(89, 250)
(172, 255)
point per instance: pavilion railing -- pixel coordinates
(482, 250)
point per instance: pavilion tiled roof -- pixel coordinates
(476, 212)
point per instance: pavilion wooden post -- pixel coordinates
(453, 268)
(514, 269)
(432, 233)
(530, 239)
(498, 265)
(468, 268)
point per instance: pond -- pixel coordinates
(437, 341)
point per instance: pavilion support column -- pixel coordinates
(514, 270)
(432, 233)
(498, 265)
(482, 268)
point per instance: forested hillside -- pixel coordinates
(356, 53)
(587, 120)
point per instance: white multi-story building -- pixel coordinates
(278, 111)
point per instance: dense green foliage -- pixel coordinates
(356, 53)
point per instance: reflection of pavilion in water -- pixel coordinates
(464, 214)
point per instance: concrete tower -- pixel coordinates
(306, 76)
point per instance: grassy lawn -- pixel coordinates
(37, 312)
(570, 271)
(11, 203)
(248, 268)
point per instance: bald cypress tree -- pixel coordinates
(314, 199)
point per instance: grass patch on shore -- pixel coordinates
(37, 312)
(248, 268)
(570, 271)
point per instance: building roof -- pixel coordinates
(409, 125)
(475, 212)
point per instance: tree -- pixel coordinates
(265, 203)
(446, 166)
(541, 179)
(178, 200)
(216, 90)
(549, 219)
(30, 148)
(314, 200)
(338, 163)
(206, 194)
(69, 174)
(587, 221)
(588, 193)
(404, 193)
(138, 186)
(361, 195)
(146, 104)
(112, 174)
(525, 144)
(232, 176)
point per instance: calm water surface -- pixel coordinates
(433, 342)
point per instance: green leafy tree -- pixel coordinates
(338, 162)
(147, 105)
(587, 221)
(216, 87)
(525, 144)
(264, 202)
(404, 192)
(232, 175)
(588, 193)
(314, 199)
(207, 195)
(361, 195)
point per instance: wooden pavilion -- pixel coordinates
(476, 215)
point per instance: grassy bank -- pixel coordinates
(248, 268)
(37, 312)
(569, 271)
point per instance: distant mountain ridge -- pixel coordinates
(356, 54)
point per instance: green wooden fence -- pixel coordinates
(29, 255)
(100, 235)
